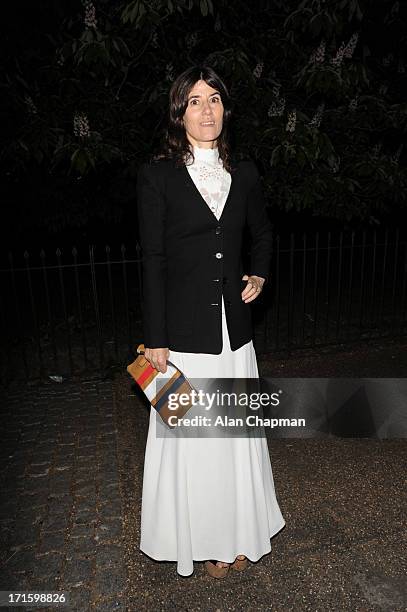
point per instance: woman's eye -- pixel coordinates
(194, 101)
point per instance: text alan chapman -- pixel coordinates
(252, 420)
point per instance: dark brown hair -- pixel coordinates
(175, 144)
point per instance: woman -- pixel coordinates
(204, 499)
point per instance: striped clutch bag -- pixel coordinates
(157, 387)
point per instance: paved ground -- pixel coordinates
(380, 358)
(72, 459)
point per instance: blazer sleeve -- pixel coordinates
(259, 226)
(152, 217)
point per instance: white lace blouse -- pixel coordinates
(210, 178)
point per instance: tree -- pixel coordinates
(318, 89)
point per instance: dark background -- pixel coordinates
(318, 91)
(114, 62)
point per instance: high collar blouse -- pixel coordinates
(211, 179)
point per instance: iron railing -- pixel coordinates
(80, 310)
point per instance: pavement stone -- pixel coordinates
(71, 481)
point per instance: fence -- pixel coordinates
(81, 310)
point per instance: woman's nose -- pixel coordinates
(206, 109)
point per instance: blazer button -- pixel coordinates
(218, 230)
(224, 280)
(218, 255)
(228, 303)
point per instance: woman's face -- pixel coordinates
(203, 118)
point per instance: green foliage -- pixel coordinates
(317, 89)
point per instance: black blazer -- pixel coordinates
(190, 258)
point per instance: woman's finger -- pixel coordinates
(250, 290)
(247, 289)
(251, 297)
(157, 359)
(161, 366)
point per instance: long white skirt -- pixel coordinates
(208, 498)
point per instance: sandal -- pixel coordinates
(240, 564)
(214, 570)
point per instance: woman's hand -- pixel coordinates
(157, 358)
(253, 288)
